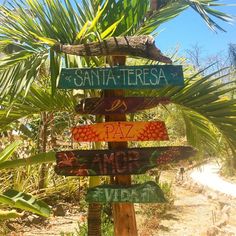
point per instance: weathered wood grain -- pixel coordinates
(148, 192)
(139, 46)
(118, 105)
(122, 77)
(121, 131)
(118, 162)
(123, 214)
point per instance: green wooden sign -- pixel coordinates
(122, 77)
(148, 192)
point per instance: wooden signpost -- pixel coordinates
(148, 192)
(122, 77)
(118, 105)
(118, 162)
(121, 131)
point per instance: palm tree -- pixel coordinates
(34, 27)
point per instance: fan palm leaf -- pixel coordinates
(206, 106)
(37, 100)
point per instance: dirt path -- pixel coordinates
(55, 226)
(198, 211)
(190, 215)
(208, 175)
(58, 226)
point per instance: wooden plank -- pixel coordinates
(118, 105)
(118, 162)
(139, 46)
(121, 131)
(122, 77)
(148, 192)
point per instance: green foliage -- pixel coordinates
(7, 215)
(8, 151)
(33, 160)
(106, 227)
(24, 201)
(37, 100)
(206, 108)
(31, 28)
(15, 198)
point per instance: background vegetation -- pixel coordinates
(36, 117)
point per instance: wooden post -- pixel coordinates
(94, 212)
(123, 213)
(94, 209)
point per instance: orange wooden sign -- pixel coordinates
(121, 131)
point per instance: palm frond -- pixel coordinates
(18, 71)
(140, 19)
(8, 151)
(203, 9)
(209, 98)
(206, 106)
(37, 100)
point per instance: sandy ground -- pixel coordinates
(198, 208)
(205, 205)
(208, 176)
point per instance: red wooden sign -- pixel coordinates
(118, 162)
(121, 131)
(118, 105)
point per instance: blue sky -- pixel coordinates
(189, 29)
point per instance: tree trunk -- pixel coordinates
(94, 212)
(123, 213)
(139, 46)
(94, 219)
(43, 148)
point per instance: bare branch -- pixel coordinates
(140, 46)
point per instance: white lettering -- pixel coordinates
(95, 74)
(130, 72)
(116, 196)
(111, 77)
(87, 78)
(154, 74)
(162, 75)
(124, 75)
(78, 81)
(145, 73)
(139, 75)
(109, 194)
(103, 76)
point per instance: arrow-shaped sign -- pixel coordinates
(118, 162)
(122, 77)
(118, 105)
(121, 131)
(148, 192)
